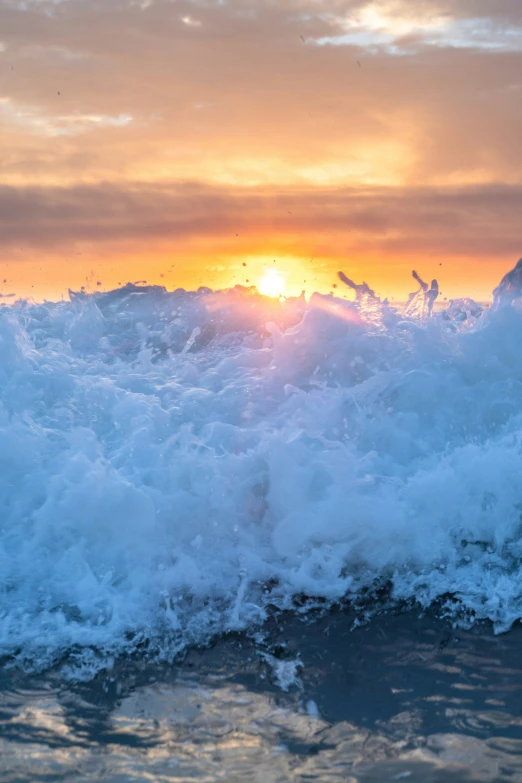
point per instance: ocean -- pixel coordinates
(245, 538)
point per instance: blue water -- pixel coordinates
(403, 698)
(177, 465)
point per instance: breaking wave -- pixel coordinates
(172, 465)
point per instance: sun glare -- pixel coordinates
(272, 283)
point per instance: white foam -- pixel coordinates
(285, 672)
(165, 457)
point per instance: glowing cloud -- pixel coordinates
(190, 21)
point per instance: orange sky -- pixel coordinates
(192, 143)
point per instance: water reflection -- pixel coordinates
(403, 699)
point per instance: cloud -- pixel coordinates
(473, 220)
(241, 99)
(190, 21)
(32, 120)
(405, 27)
(403, 138)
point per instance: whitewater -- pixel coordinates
(177, 465)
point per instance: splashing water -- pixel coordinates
(173, 464)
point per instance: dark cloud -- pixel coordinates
(480, 220)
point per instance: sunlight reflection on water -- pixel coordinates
(403, 699)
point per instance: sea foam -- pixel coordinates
(175, 464)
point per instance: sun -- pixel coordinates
(272, 283)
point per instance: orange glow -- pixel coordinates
(216, 266)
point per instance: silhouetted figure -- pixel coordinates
(510, 287)
(360, 290)
(423, 299)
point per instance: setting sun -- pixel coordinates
(272, 283)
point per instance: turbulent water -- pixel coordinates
(174, 465)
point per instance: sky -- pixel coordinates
(198, 142)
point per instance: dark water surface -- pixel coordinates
(404, 698)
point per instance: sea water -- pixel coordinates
(176, 466)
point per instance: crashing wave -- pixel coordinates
(173, 465)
